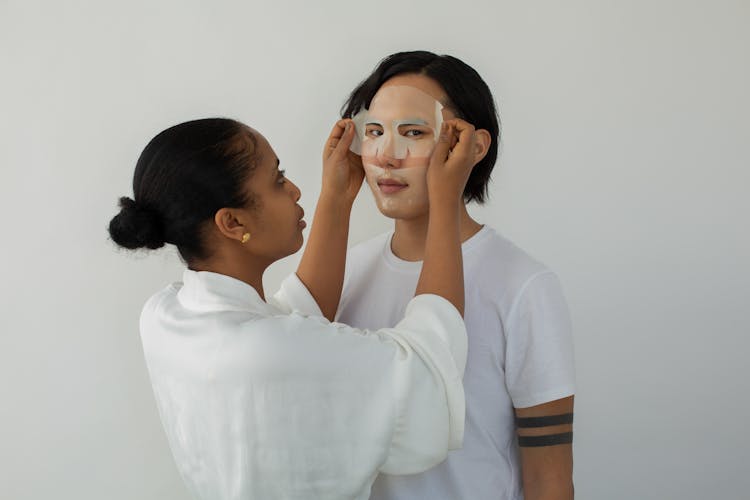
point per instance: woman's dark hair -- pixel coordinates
(470, 98)
(183, 177)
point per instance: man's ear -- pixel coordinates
(231, 223)
(482, 142)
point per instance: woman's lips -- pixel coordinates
(389, 186)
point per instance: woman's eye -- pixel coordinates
(413, 133)
(281, 178)
(374, 132)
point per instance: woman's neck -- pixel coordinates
(239, 267)
(410, 235)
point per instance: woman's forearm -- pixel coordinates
(442, 271)
(323, 261)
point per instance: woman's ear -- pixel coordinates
(482, 143)
(229, 223)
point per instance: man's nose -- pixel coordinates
(387, 154)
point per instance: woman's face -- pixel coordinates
(400, 131)
(277, 218)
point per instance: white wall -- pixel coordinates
(625, 169)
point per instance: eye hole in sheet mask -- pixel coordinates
(402, 123)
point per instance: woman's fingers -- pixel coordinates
(333, 138)
(452, 160)
(342, 169)
(340, 138)
(464, 147)
(443, 146)
(343, 145)
(455, 144)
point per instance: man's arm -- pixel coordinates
(545, 438)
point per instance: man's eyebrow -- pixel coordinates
(411, 121)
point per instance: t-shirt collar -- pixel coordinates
(415, 266)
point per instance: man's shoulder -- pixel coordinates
(499, 267)
(496, 254)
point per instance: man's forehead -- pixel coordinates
(397, 97)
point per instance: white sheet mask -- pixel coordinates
(402, 123)
(415, 197)
(395, 138)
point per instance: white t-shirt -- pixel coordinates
(259, 400)
(520, 355)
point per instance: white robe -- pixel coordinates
(271, 401)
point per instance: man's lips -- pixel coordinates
(301, 224)
(390, 186)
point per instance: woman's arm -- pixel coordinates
(442, 271)
(323, 261)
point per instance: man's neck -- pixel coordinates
(410, 235)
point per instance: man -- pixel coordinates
(519, 378)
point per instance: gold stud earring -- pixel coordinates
(245, 237)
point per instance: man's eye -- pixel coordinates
(413, 133)
(281, 179)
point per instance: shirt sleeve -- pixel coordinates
(387, 400)
(429, 394)
(293, 296)
(539, 365)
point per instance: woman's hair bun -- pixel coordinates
(136, 226)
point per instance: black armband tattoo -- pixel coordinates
(546, 421)
(548, 440)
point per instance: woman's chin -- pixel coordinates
(298, 244)
(292, 249)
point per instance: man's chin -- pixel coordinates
(401, 212)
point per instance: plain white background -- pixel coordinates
(624, 168)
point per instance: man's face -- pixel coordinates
(398, 134)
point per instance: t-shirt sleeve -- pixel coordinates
(539, 365)
(293, 296)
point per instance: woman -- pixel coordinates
(269, 399)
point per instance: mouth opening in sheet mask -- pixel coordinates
(395, 137)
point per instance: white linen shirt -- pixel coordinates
(271, 401)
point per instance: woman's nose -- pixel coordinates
(296, 193)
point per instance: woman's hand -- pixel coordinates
(322, 266)
(451, 162)
(342, 170)
(450, 165)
